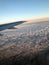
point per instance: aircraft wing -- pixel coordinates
(10, 25)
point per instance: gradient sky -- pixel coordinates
(22, 9)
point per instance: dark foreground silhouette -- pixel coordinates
(28, 58)
(10, 25)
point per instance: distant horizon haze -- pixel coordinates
(16, 10)
(28, 19)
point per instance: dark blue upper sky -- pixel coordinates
(20, 9)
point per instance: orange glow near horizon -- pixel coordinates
(27, 19)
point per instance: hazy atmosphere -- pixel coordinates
(13, 10)
(24, 32)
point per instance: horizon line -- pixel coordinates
(26, 19)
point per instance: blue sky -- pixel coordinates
(21, 9)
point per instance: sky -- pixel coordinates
(12, 10)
